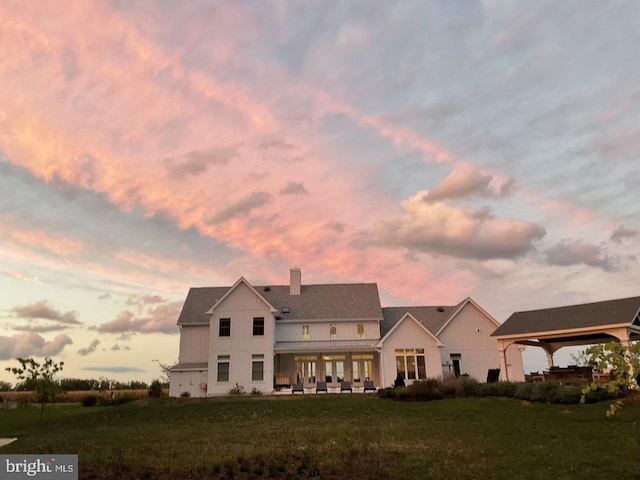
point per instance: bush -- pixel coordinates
(496, 389)
(90, 400)
(453, 387)
(237, 390)
(155, 389)
(255, 391)
(185, 395)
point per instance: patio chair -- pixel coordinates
(321, 387)
(369, 386)
(345, 387)
(297, 388)
(493, 375)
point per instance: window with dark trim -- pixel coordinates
(258, 326)
(225, 327)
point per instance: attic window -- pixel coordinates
(286, 310)
(440, 309)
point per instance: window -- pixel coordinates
(362, 367)
(223, 368)
(305, 332)
(305, 368)
(225, 327)
(332, 331)
(258, 326)
(411, 363)
(257, 368)
(333, 368)
(361, 330)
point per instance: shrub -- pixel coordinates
(155, 389)
(399, 381)
(388, 392)
(428, 389)
(496, 389)
(90, 400)
(523, 391)
(185, 395)
(459, 387)
(237, 390)
(255, 391)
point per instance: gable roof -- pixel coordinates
(404, 317)
(241, 281)
(432, 318)
(610, 312)
(357, 301)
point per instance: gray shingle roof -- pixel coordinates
(315, 302)
(573, 316)
(430, 317)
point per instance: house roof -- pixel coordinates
(432, 318)
(356, 301)
(610, 312)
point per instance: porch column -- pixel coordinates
(502, 354)
(549, 350)
(623, 336)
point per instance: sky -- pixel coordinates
(443, 150)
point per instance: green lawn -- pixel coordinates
(333, 436)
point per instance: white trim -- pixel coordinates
(408, 315)
(566, 331)
(235, 285)
(459, 309)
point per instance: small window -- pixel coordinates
(361, 330)
(258, 326)
(223, 368)
(332, 331)
(225, 327)
(305, 332)
(257, 368)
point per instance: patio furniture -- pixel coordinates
(345, 387)
(297, 388)
(493, 375)
(321, 387)
(369, 386)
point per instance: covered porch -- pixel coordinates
(585, 324)
(330, 361)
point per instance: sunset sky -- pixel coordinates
(441, 149)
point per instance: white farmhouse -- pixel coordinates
(268, 338)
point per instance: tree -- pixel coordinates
(40, 376)
(624, 365)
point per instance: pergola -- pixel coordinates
(585, 324)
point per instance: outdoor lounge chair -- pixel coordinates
(345, 387)
(321, 387)
(493, 375)
(369, 386)
(297, 388)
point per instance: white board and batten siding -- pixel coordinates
(408, 335)
(291, 331)
(241, 305)
(468, 334)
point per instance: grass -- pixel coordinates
(333, 436)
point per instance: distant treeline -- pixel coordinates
(81, 384)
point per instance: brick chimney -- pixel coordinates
(296, 281)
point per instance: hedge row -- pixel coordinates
(545, 392)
